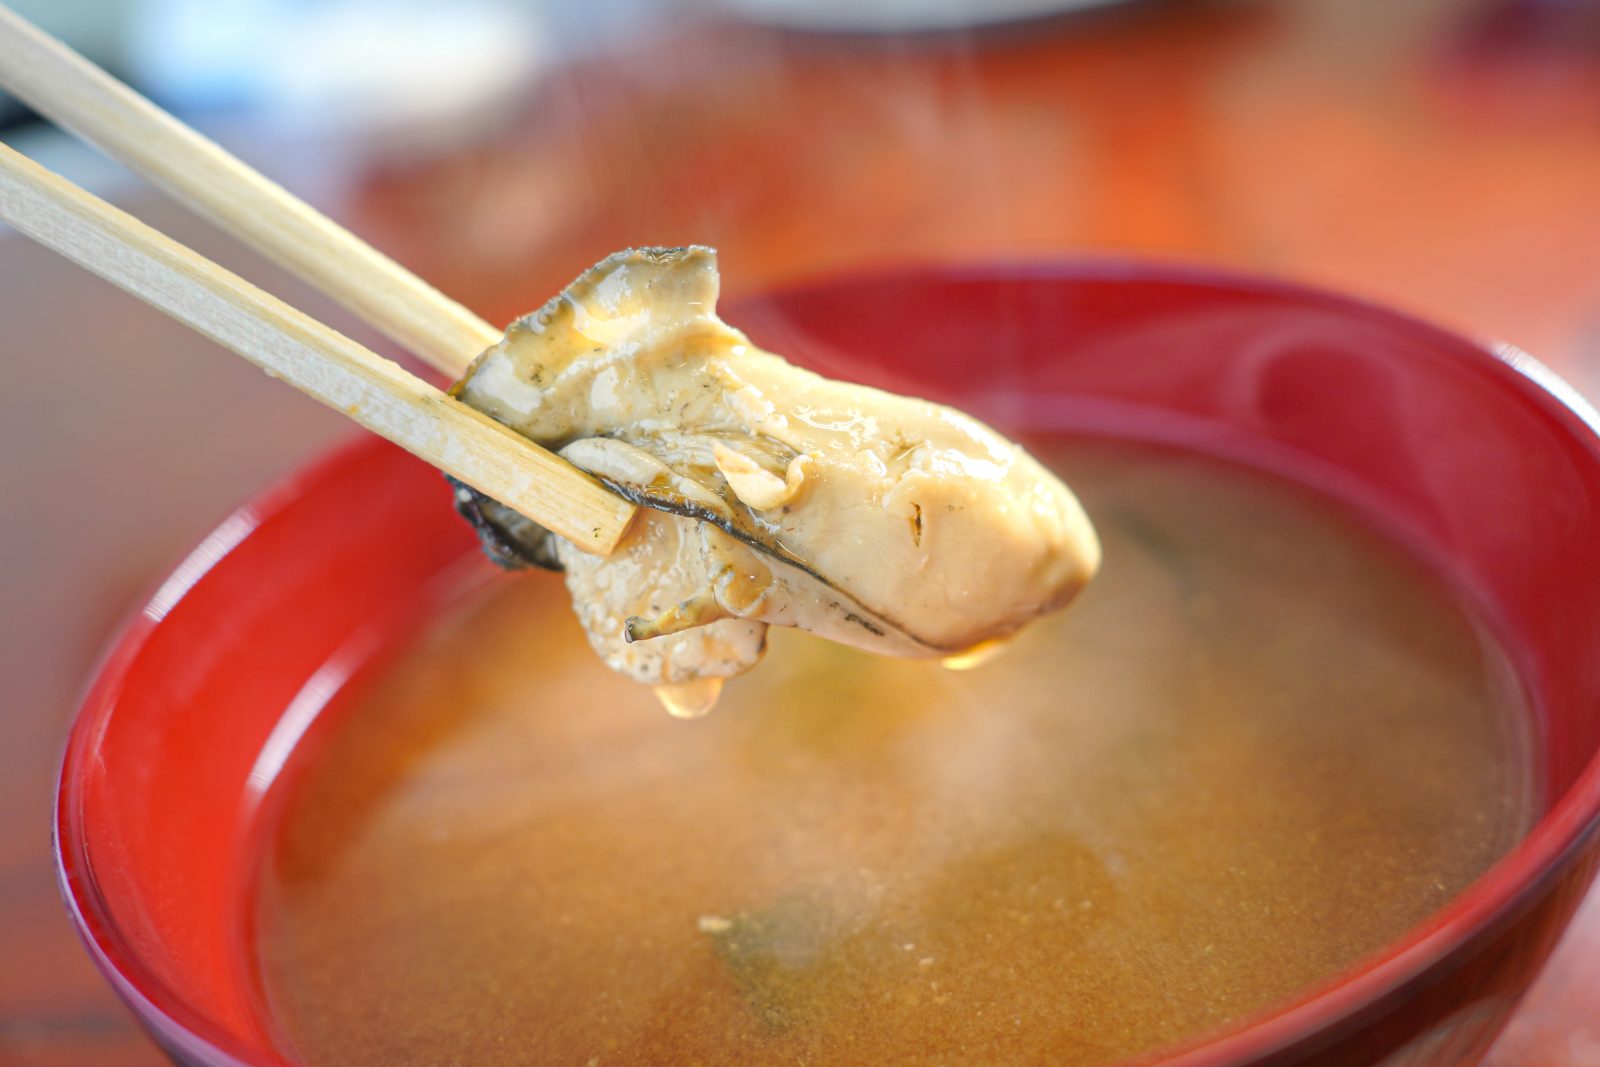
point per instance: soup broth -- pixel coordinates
(1264, 743)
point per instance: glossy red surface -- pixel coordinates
(1481, 461)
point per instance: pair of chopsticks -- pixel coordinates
(376, 392)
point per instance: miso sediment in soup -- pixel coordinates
(1264, 743)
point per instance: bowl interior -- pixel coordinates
(1461, 452)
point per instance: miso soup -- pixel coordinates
(1263, 744)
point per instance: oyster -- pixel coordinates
(769, 495)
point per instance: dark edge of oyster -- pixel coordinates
(510, 539)
(515, 542)
(673, 504)
(545, 315)
(729, 524)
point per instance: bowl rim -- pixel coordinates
(169, 1020)
(1502, 892)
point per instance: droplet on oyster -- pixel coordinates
(690, 700)
(769, 495)
(974, 657)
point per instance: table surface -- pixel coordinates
(1439, 156)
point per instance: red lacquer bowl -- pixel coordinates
(1480, 459)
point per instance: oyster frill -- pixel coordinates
(769, 495)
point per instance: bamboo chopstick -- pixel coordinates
(287, 344)
(79, 96)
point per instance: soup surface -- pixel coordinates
(1262, 744)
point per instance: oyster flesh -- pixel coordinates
(769, 495)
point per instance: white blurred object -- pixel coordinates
(386, 76)
(899, 16)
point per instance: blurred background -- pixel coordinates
(1442, 156)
